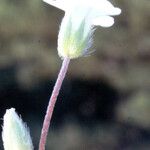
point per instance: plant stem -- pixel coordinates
(52, 102)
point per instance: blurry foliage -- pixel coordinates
(25, 28)
(73, 137)
(136, 110)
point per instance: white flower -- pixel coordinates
(75, 36)
(15, 134)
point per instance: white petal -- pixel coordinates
(102, 7)
(104, 21)
(115, 11)
(56, 3)
(112, 11)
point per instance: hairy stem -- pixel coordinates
(52, 102)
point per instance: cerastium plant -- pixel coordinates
(74, 40)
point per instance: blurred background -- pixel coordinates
(104, 103)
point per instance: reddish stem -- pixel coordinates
(52, 102)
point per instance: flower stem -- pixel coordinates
(52, 102)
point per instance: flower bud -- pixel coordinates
(15, 133)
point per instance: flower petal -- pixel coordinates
(56, 3)
(104, 21)
(101, 7)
